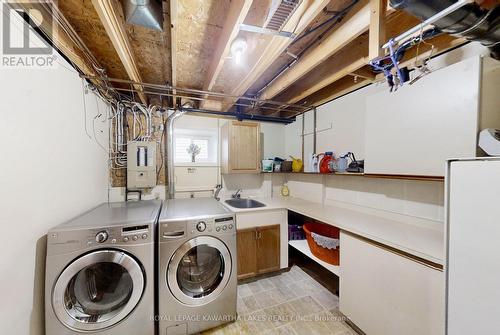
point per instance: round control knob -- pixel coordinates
(125, 239)
(217, 229)
(201, 226)
(144, 236)
(224, 227)
(230, 226)
(134, 237)
(101, 236)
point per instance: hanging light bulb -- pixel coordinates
(238, 47)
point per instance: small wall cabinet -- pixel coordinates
(240, 147)
(382, 292)
(258, 250)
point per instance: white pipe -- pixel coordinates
(170, 152)
(431, 20)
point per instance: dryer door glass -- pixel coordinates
(98, 290)
(199, 270)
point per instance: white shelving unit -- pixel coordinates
(303, 247)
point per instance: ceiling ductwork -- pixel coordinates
(280, 12)
(146, 13)
(470, 21)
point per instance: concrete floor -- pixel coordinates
(289, 303)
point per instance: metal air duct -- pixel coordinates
(470, 21)
(170, 189)
(147, 13)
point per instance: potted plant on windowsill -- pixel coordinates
(194, 150)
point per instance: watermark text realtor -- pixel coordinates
(21, 46)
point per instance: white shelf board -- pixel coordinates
(303, 247)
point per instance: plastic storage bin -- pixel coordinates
(295, 232)
(327, 235)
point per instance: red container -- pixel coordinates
(324, 165)
(331, 256)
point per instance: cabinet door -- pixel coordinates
(384, 293)
(414, 130)
(247, 253)
(268, 248)
(244, 147)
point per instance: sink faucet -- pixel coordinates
(237, 195)
(218, 187)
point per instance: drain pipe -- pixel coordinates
(170, 154)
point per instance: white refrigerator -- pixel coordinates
(473, 246)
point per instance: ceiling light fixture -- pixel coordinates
(238, 47)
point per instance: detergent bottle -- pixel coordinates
(324, 165)
(313, 163)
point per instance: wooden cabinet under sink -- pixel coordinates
(258, 250)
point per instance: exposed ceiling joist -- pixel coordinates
(364, 72)
(173, 33)
(378, 9)
(58, 36)
(108, 11)
(338, 89)
(333, 77)
(347, 61)
(298, 22)
(236, 14)
(354, 24)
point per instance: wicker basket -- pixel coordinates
(331, 256)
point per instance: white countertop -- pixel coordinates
(418, 240)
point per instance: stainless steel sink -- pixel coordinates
(244, 203)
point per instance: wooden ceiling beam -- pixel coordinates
(353, 58)
(347, 61)
(378, 9)
(236, 14)
(298, 22)
(173, 34)
(58, 36)
(108, 11)
(354, 24)
(364, 72)
(337, 89)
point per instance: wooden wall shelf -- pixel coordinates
(368, 175)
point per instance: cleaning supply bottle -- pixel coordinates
(313, 164)
(324, 165)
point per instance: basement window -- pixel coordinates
(207, 141)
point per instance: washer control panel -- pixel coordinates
(224, 224)
(212, 226)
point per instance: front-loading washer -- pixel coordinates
(197, 272)
(100, 271)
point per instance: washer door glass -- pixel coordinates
(199, 270)
(98, 290)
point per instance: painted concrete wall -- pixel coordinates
(51, 170)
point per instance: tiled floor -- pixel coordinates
(289, 303)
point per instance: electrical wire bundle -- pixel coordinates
(389, 64)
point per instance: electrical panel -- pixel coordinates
(141, 165)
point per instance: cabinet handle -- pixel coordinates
(260, 234)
